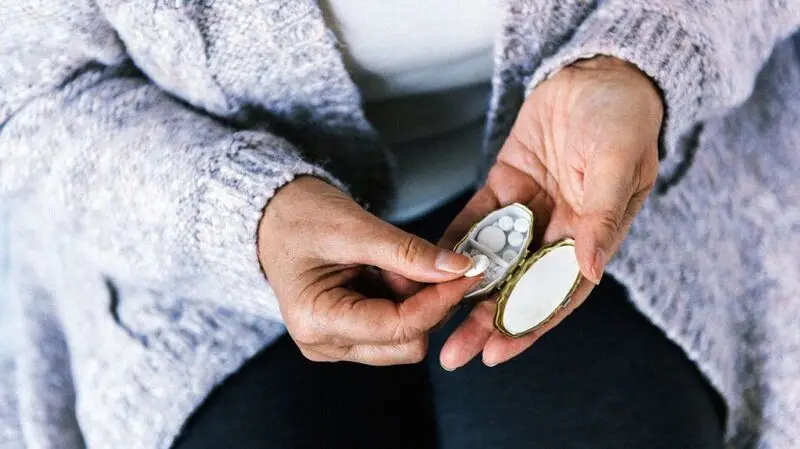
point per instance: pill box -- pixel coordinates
(531, 287)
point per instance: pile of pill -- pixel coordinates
(505, 237)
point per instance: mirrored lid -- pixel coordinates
(538, 289)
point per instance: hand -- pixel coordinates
(313, 243)
(583, 156)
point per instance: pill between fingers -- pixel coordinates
(480, 264)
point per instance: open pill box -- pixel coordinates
(532, 287)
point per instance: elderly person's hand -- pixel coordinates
(314, 244)
(583, 156)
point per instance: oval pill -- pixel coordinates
(493, 238)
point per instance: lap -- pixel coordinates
(281, 400)
(604, 378)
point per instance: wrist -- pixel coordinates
(638, 78)
(289, 199)
(295, 202)
(604, 62)
(284, 207)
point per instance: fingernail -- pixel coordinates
(488, 360)
(445, 360)
(600, 260)
(453, 263)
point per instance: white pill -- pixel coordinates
(493, 238)
(515, 239)
(505, 223)
(509, 255)
(522, 225)
(479, 264)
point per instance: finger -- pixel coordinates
(370, 283)
(433, 304)
(384, 355)
(478, 207)
(500, 348)
(608, 188)
(469, 338)
(345, 316)
(369, 354)
(314, 354)
(402, 286)
(381, 244)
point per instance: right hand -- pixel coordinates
(314, 244)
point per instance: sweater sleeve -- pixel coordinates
(153, 191)
(704, 55)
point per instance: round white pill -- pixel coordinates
(509, 255)
(506, 223)
(515, 239)
(493, 238)
(479, 264)
(522, 225)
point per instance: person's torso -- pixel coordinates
(423, 70)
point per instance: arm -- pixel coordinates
(704, 55)
(582, 153)
(155, 192)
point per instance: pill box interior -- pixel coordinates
(503, 236)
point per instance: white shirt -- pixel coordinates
(423, 68)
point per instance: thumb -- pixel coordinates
(607, 191)
(392, 249)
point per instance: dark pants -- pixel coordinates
(604, 378)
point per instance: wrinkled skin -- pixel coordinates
(314, 245)
(583, 156)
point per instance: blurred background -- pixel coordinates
(4, 325)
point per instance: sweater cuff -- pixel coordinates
(658, 45)
(242, 181)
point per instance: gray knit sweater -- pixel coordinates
(141, 139)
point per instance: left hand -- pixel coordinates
(583, 156)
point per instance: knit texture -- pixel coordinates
(140, 141)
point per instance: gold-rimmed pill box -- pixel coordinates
(531, 287)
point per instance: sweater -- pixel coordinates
(141, 139)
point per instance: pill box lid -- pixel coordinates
(568, 283)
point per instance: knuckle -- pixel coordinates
(609, 222)
(312, 355)
(406, 331)
(645, 176)
(409, 249)
(304, 334)
(497, 173)
(417, 350)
